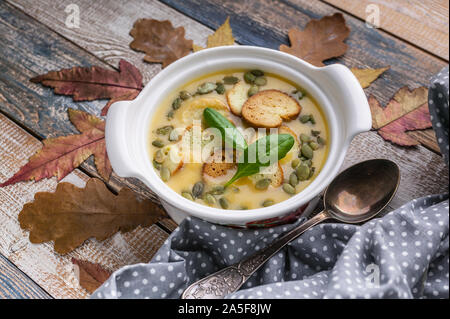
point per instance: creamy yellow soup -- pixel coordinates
(175, 117)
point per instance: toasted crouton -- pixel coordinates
(218, 171)
(237, 96)
(192, 110)
(274, 172)
(269, 108)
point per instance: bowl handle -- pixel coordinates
(349, 97)
(116, 139)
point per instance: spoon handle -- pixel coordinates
(231, 278)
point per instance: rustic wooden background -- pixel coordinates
(34, 39)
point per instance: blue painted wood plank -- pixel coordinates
(14, 284)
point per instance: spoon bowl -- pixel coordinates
(357, 194)
(362, 190)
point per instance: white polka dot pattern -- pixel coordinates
(408, 248)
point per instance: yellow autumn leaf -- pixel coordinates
(367, 76)
(222, 36)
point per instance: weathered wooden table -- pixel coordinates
(34, 39)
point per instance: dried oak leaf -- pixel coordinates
(161, 42)
(71, 215)
(91, 276)
(367, 76)
(320, 40)
(93, 83)
(406, 111)
(61, 155)
(222, 36)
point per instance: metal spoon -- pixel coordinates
(354, 196)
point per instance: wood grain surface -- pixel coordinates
(28, 49)
(421, 23)
(54, 272)
(14, 284)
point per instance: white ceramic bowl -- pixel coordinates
(334, 87)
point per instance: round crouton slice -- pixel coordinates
(192, 110)
(269, 108)
(237, 96)
(217, 170)
(274, 172)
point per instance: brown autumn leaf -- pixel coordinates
(320, 40)
(367, 76)
(72, 215)
(406, 111)
(161, 42)
(91, 276)
(222, 36)
(93, 83)
(61, 155)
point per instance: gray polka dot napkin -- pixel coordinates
(405, 254)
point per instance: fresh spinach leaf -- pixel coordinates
(230, 134)
(261, 153)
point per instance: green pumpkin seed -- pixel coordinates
(184, 95)
(307, 162)
(311, 119)
(220, 89)
(156, 165)
(305, 138)
(230, 80)
(253, 90)
(159, 157)
(164, 130)
(165, 174)
(268, 202)
(305, 118)
(303, 172)
(170, 115)
(295, 163)
(293, 179)
(217, 190)
(263, 183)
(174, 136)
(307, 151)
(315, 133)
(301, 157)
(313, 145)
(210, 199)
(158, 143)
(206, 88)
(223, 203)
(197, 189)
(311, 173)
(257, 72)
(260, 81)
(249, 77)
(187, 195)
(288, 188)
(321, 140)
(176, 103)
